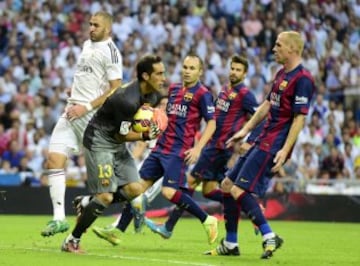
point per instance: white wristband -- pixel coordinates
(89, 107)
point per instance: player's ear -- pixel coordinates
(108, 29)
(145, 76)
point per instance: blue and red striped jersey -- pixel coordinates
(185, 109)
(251, 139)
(233, 106)
(290, 94)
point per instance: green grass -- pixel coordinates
(306, 243)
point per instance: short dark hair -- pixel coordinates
(239, 59)
(145, 64)
(105, 15)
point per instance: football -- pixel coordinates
(142, 119)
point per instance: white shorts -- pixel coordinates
(67, 136)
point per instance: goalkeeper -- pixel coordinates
(112, 173)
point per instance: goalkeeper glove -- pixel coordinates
(153, 133)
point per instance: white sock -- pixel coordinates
(230, 245)
(153, 191)
(115, 223)
(268, 236)
(85, 201)
(69, 237)
(137, 201)
(57, 188)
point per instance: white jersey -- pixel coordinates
(98, 63)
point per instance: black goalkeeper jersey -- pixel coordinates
(116, 115)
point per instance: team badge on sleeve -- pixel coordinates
(125, 127)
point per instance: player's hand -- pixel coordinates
(235, 138)
(192, 155)
(153, 132)
(75, 111)
(279, 160)
(160, 118)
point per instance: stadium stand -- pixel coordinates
(39, 46)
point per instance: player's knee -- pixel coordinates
(168, 192)
(192, 182)
(55, 161)
(226, 185)
(236, 192)
(209, 186)
(146, 184)
(105, 198)
(134, 189)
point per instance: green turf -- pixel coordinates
(306, 243)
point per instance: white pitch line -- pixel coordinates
(110, 256)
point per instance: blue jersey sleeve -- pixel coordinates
(255, 132)
(249, 103)
(303, 93)
(207, 106)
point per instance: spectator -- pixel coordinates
(332, 167)
(308, 166)
(6, 168)
(14, 154)
(27, 174)
(47, 38)
(4, 139)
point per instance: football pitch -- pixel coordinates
(306, 243)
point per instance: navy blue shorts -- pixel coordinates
(252, 171)
(173, 168)
(211, 165)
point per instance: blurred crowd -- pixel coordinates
(40, 42)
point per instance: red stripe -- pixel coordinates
(260, 172)
(176, 198)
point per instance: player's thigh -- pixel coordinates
(152, 169)
(63, 139)
(211, 165)
(127, 174)
(255, 172)
(232, 173)
(79, 125)
(175, 170)
(100, 171)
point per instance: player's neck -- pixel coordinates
(292, 64)
(189, 85)
(144, 88)
(232, 85)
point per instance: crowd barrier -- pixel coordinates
(286, 206)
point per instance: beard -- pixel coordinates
(234, 81)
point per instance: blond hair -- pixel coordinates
(294, 41)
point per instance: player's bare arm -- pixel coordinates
(114, 85)
(257, 117)
(296, 126)
(193, 154)
(79, 110)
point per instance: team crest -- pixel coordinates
(283, 85)
(188, 96)
(105, 182)
(232, 95)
